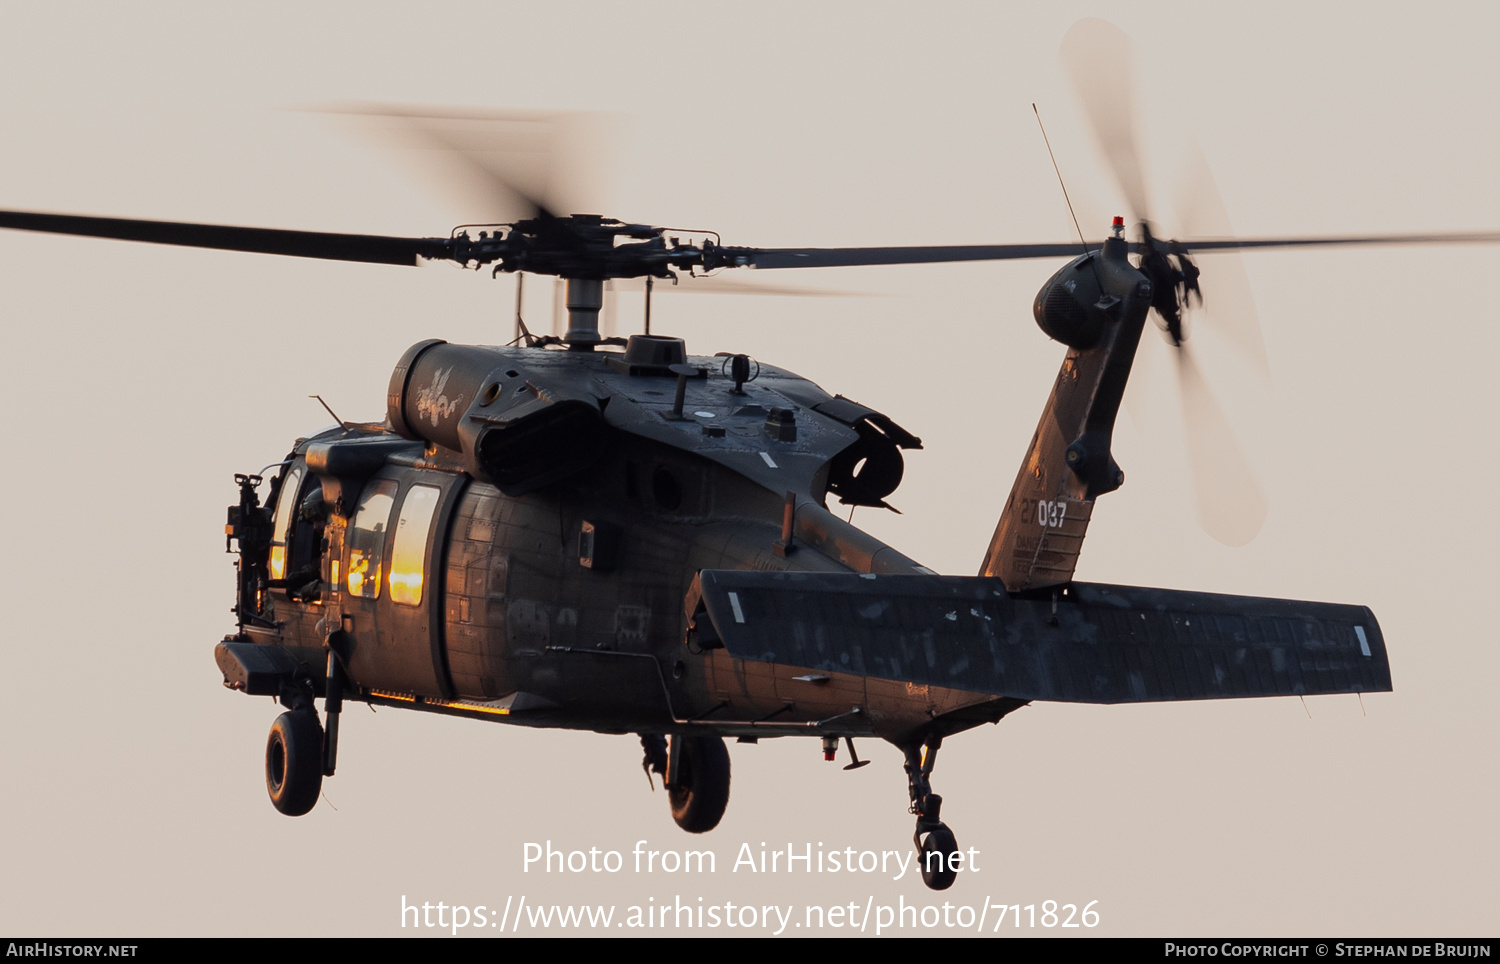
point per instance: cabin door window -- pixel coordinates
(366, 538)
(409, 553)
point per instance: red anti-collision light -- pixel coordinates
(1119, 221)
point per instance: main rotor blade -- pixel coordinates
(381, 249)
(500, 165)
(442, 149)
(366, 248)
(850, 257)
(1097, 56)
(1229, 244)
(1231, 506)
(719, 285)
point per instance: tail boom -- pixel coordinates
(1098, 304)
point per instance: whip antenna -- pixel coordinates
(1060, 183)
(342, 423)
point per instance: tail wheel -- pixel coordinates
(700, 792)
(294, 762)
(936, 853)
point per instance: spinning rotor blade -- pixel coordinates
(500, 166)
(1231, 506)
(382, 249)
(1238, 244)
(767, 258)
(1230, 309)
(1097, 56)
(367, 248)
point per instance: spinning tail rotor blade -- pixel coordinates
(1230, 305)
(1097, 57)
(1231, 505)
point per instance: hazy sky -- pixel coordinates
(141, 378)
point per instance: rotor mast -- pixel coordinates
(585, 299)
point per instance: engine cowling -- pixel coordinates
(510, 432)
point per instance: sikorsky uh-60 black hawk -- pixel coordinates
(568, 534)
(620, 536)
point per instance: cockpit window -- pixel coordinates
(286, 507)
(367, 538)
(409, 554)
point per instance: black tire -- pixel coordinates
(294, 762)
(702, 788)
(942, 873)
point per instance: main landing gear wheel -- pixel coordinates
(699, 789)
(937, 850)
(294, 762)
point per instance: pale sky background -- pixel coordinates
(140, 378)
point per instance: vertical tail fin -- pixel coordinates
(1097, 305)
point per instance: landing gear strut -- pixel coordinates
(937, 849)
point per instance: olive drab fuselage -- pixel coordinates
(569, 602)
(641, 542)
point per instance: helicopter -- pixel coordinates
(700, 605)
